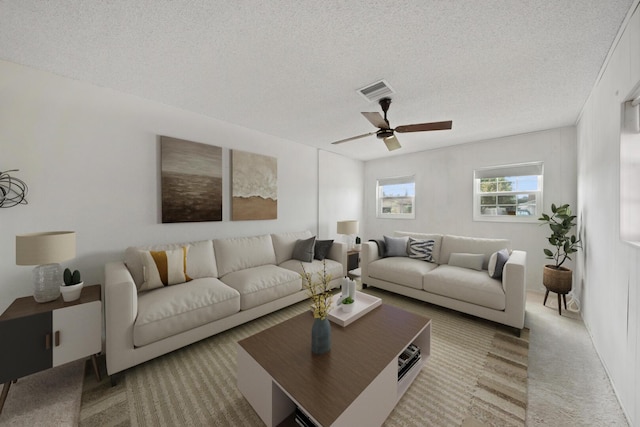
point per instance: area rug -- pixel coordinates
(476, 375)
(46, 398)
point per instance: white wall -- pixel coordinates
(444, 189)
(90, 157)
(340, 192)
(608, 267)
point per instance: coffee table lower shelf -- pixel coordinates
(274, 395)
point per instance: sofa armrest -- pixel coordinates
(515, 286)
(368, 254)
(338, 252)
(120, 310)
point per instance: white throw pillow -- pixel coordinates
(164, 268)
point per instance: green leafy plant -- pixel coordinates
(348, 300)
(358, 241)
(71, 278)
(561, 222)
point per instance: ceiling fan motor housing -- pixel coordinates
(384, 133)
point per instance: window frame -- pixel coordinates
(381, 182)
(504, 171)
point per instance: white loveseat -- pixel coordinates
(233, 281)
(453, 284)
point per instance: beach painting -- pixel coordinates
(254, 186)
(191, 175)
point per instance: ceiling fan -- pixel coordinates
(386, 133)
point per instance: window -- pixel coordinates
(395, 197)
(509, 193)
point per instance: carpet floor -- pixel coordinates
(476, 375)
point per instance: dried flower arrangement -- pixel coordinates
(319, 291)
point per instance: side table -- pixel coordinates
(38, 336)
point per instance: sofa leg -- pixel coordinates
(115, 378)
(364, 286)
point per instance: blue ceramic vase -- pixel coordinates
(320, 336)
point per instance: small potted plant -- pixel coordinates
(347, 304)
(358, 245)
(72, 286)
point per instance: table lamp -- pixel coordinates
(350, 229)
(46, 250)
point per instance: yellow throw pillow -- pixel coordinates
(164, 268)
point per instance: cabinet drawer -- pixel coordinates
(77, 332)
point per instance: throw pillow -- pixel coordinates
(322, 248)
(396, 246)
(303, 250)
(472, 261)
(497, 262)
(421, 249)
(164, 268)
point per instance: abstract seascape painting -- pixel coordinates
(254, 186)
(191, 181)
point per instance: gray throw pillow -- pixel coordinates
(322, 248)
(396, 246)
(497, 262)
(472, 261)
(303, 250)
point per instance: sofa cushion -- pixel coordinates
(464, 284)
(240, 253)
(283, 244)
(322, 249)
(474, 245)
(497, 262)
(421, 249)
(464, 260)
(396, 246)
(303, 250)
(164, 268)
(334, 268)
(170, 310)
(437, 241)
(402, 270)
(262, 284)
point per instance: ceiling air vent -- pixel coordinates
(375, 91)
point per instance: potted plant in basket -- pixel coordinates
(72, 285)
(557, 278)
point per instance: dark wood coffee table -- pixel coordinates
(356, 383)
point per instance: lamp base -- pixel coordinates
(47, 279)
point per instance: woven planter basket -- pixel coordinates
(557, 280)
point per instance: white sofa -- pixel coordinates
(233, 281)
(467, 290)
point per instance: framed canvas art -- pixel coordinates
(191, 181)
(254, 186)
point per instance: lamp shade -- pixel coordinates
(348, 227)
(45, 248)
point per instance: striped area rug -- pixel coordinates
(476, 375)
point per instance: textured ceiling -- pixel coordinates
(291, 68)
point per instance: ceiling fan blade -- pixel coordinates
(353, 137)
(425, 127)
(377, 120)
(392, 143)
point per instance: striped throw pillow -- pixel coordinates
(421, 249)
(164, 268)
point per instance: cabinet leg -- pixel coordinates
(5, 392)
(96, 370)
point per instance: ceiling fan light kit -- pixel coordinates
(387, 133)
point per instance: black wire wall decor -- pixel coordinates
(13, 191)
